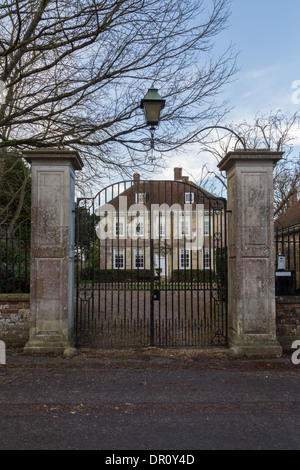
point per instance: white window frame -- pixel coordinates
(161, 225)
(207, 258)
(189, 198)
(140, 198)
(119, 252)
(184, 254)
(184, 225)
(119, 222)
(140, 220)
(206, 225)
(139, 253)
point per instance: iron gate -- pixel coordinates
(151, 266)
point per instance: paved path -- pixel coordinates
(151, 399)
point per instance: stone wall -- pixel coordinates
(14, 319)
(288, 320)
(15, 313)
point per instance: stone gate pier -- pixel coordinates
(251, 283)
(52, 249)
(251, 264)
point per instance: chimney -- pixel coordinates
(136, 177)
(185, 179)
(177, 174)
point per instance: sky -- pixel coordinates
(266, 36)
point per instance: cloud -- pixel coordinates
(259, 73)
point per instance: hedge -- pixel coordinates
(123, 275)
(114, 275)
(188, 275)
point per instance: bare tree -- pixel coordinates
(15, 192)
(79, 69)
(275, 132)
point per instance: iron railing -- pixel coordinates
(287, 245)
(139, 279)
(14, 259)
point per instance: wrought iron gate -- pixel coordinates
(151, 266)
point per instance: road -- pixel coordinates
(149, 399)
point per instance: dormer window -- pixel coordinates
(140, 198)
(188, 198)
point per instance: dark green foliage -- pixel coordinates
(114, 275)
(85, 231)
(15, 190)
(14, 259)
(196, 275)
(221, 266)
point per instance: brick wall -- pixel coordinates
(14, 319)
(288, 320)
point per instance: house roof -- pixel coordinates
(169, 192)
(290, 217)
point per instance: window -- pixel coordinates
(206, 258)
(140, 198)
(119, 226)
(185, 258)
(139, 258)
(161, 225)
(139, 226)
(184, 225)
(119, 260)
(188, 198)
(206, 225)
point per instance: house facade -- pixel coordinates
(287, 240)
(168, 227)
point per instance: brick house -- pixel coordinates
(287, 237)
(181, 224)
(291, 217)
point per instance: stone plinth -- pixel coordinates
(52, 249)
(251, 266)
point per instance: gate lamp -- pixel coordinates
(152, 104)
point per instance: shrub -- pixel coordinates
(188, 275)
(14, 260)
(114, 275)
(221, 266)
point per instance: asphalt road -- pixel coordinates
(151, 400)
